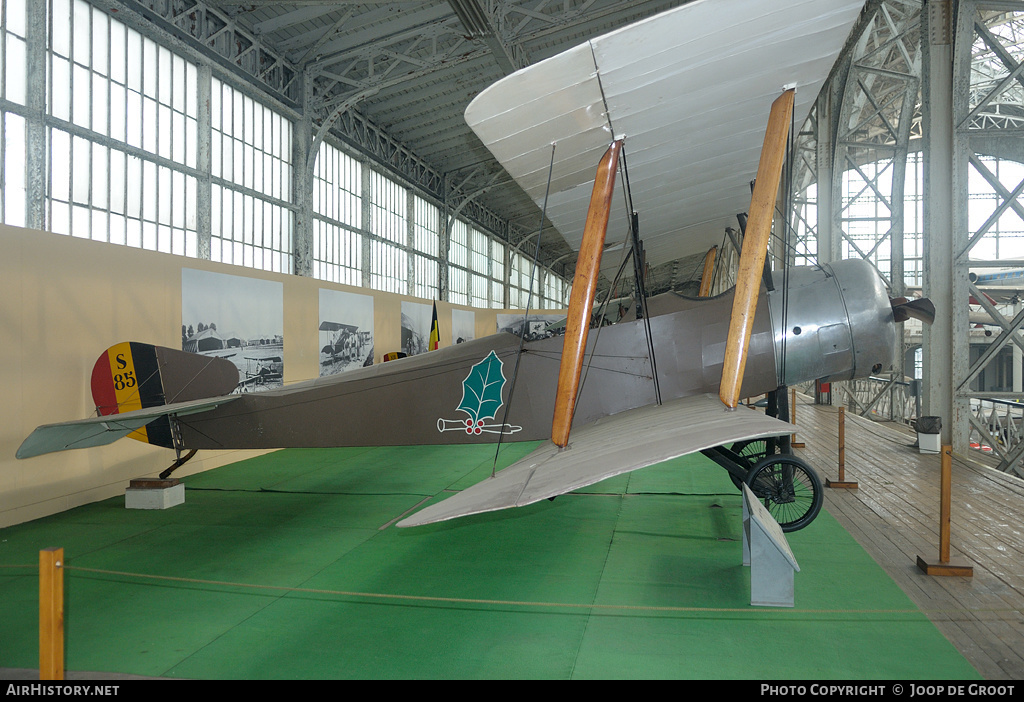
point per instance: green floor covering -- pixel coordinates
(658, 550)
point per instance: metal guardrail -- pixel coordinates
(893, 398)
(996, 426)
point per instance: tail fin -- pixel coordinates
(131, 376)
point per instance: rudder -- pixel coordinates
(132, 375)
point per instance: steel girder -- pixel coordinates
(324, 95)
(988, 120)
(859, 134)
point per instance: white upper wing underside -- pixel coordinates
(690, 90)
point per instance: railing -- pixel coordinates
(996, 426)
(891, 398)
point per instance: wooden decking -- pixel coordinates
(894, 515)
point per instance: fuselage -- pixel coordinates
(838, 324)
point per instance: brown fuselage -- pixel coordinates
(410, 401)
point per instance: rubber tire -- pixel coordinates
(766, 481)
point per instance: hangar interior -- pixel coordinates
(321, 144)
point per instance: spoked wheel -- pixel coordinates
(789, 488)
(752, 451)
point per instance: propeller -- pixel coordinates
(920, 308)
(755, 247)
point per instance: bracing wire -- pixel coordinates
(787, 194)
(640, 286)
(526, 314)
(628, 252)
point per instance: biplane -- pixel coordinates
(686, 95)
(346, 344)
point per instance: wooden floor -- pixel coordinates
(894, 514)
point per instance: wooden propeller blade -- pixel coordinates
(581, 301)
(708, 273)
(755, 247)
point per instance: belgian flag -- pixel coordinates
(435, 332)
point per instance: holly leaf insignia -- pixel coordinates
(481, 390)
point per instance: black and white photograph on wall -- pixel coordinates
(463, 325)
(416, 320)
(237, 318)
(346, 331)
(538, 326)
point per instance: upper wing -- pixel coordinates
(605, 448)
(106, 429)
(689, 89)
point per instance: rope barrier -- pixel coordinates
(523, 603)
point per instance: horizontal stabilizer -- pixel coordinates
(607, 447)
(99, 431)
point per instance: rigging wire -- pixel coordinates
(526, 313)
(628, 252)
(640, 286)
(787, 194)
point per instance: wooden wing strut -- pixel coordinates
(707, 276)
(755, 247)
(581, 301)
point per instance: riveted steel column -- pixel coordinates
(302, 185)
(828, 248)
(204, 163)
(939, 194)
(35, 95)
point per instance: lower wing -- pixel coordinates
(605, 448)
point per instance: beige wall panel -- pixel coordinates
(63, 301)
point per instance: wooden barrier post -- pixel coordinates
(792, 420)
(842, 482)
(943, 567)
(51, 614)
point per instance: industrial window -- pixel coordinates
(119, 133)
(337, 253)
(12, 185)
(12, 126)
(426, 227)
(498, 253)
(426, 239)
(123, 142)
(389, 256)
(549, 290)
(553, 287)
(251, 168)
(458, 285)
(337, 186)
(458, 257)
(999, 227)
(519, 283)
(12, 51)
(388, 205)
(390, 268)
(338, 214)
(866, 217)
(913, 221)
(426, 272)
(805, 225)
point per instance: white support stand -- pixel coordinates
(154, 494)
(767, 553)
